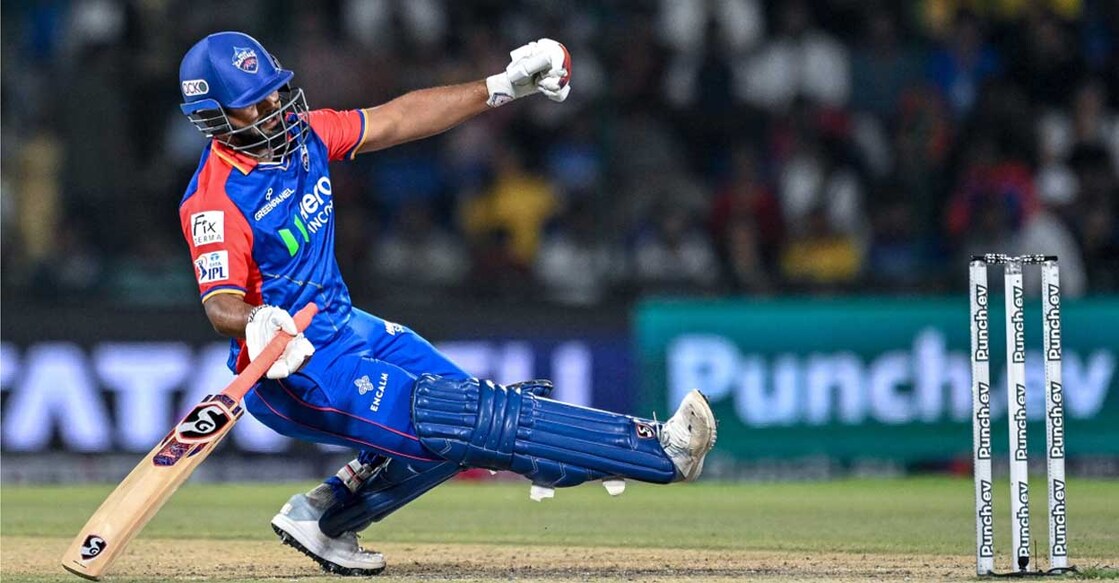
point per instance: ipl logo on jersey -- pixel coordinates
(245, 59)
(212, 267)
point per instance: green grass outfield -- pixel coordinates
(919, 516)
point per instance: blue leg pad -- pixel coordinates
(396, 483)
(483, 424)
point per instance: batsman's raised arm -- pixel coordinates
(542, 66)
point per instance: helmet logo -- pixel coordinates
(245, 59)
(195, 87)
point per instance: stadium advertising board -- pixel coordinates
(122, 396)
(869, 378)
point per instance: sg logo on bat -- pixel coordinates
(92, 547)
(204, 421)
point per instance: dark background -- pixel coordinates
(711, 148)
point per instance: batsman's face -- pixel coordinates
(247, 116)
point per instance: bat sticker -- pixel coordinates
(204, 421)
(92, 547)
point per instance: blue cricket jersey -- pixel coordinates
(265, 231)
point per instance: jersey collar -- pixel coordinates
(241, 162)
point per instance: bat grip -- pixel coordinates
(271, 353)
(303, 317)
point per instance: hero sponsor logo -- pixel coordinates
(1056, 416)
(986, 520)
(316, 207)
(1053, 319)
(270, 203)
(195, 87)
(1018, 323)
(1057, 519)
(982, 325)
(1020, 452)
(207, 227)
(983, 419)
(212, 267)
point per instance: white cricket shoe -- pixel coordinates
(688, 435)
(297, 525)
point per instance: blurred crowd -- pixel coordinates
(709, 147)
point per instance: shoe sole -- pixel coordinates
(326, 565)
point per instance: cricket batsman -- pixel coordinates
(258, 216)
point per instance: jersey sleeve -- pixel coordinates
(343, 132)
(220, 243)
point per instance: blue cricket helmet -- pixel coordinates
(232, 70)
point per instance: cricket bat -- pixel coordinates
(152, 482)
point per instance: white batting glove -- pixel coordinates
(542, 66)
(264, 322)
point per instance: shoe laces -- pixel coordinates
(352, 538)
(671, 435)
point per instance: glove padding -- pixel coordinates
(264, 322)
(541, 66)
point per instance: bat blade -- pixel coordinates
(148, 487)
(160, 473)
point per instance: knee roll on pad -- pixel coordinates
(483, 424)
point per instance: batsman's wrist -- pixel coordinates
(502, 91)
(253, 312)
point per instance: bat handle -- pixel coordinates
(256, 369)
(303, 316)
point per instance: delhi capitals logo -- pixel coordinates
(245, 59)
